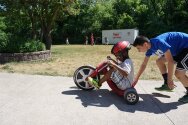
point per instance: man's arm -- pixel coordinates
(141, 70)
(170, 67)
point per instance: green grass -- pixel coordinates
(67, 58)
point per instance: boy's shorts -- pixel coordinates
(120, 81)
(182, 60)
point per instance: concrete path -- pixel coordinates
(47, 100)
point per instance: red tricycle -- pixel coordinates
(82, 73)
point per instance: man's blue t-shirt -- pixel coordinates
(175, 41)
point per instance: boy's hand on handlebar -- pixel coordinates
(113, 62)
(110, 63)
(109, 58)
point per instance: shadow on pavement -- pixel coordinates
(105, 98)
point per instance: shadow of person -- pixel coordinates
(105, 98)
(99, 98)
(153, 105)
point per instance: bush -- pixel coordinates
(32, 46)
(3, 41)
(20, 45)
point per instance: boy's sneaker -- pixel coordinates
(93, 82)
(164, 87)
(184, 99)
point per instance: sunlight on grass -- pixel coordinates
(67, 58)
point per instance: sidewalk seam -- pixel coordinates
(157, 105)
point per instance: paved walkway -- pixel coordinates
(47, 100)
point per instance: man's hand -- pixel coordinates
(171, 85)
(134, 82)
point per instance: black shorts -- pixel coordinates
(182, 60)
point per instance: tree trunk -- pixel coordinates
(48, 39)
(47, 24)
(46, 36)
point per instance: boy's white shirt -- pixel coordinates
(127, 65)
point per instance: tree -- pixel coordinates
(41, 14)
(94, 16)
(3, 35)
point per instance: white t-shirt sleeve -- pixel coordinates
(127, 65)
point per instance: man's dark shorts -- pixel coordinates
(182, 60)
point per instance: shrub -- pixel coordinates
(20, 45)
(3, 41)
(32, 46)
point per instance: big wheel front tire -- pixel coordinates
(80, 76)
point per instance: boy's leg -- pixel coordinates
(98, 84)
(180, 73)
(161, 64)
(181, 76)
(162, 67)
(106, 76)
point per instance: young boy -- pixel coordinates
(170, 47)
(122, 73)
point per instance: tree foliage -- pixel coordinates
(54, 20)
(36, 16)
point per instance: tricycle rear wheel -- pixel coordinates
(131, 97)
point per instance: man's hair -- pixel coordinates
(140, 40)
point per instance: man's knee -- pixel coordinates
(179, 74)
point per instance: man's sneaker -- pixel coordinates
(93, 82)
(184, 99)
(164, 87)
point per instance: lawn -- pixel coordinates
(66, 59)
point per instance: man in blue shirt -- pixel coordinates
(171, 47)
